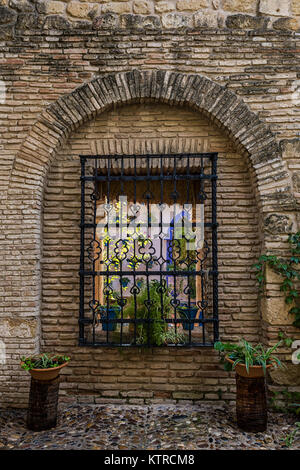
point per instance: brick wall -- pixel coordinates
(277, 14)
(43, 58)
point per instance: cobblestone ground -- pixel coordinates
(112, 427)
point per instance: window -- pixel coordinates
(148, 263)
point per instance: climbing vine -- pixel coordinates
(289, 271)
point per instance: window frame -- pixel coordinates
(94, 179)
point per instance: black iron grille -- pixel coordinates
(144, 279)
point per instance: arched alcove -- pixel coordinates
(37, 170)
(142, 128)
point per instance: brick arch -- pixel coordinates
(222, 106)
(54, 126)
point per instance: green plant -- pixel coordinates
(245, 353)
(148, 307)
(112, 295)
(43, 361)
(286, 401)
(173, 337)
(287, 269)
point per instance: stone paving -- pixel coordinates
(128, 427)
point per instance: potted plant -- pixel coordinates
(250, 364)
(114, 254)
(108, 312)
(188, 313)
(288, 270)
(43, 398)
(44, 366)
(248, 360)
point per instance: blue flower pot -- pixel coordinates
(188, 313)
(125, 282)
(113, 314)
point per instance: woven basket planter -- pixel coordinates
(251, 402)
(43, 398)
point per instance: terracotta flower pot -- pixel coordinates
(46, 374)
(254, 371)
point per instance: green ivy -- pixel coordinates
(173, 337)
(287, 269)
(287, 340)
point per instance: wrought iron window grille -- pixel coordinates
(139, 291)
